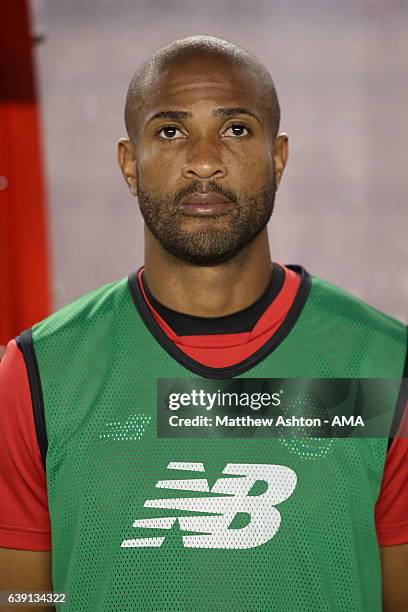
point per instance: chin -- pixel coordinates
(205, 259)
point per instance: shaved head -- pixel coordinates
(204, 156)
(195, 47)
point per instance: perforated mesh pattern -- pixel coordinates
(315, 516)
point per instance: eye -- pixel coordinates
(170, 132)
(237, 131)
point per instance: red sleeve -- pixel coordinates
(24, 518)
(391, 512)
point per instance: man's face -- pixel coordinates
(204, 160)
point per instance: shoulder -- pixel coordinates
(349, 332)
(351, 312)
(89, 309)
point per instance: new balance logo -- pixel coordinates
(232, 498)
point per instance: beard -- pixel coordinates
(211, 240)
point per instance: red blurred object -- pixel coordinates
(24, 285)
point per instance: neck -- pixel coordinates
(208, 291)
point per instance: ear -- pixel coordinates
(127, 163)
(280, 155)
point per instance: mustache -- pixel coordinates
(208, 187)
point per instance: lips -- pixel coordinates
(205, 204)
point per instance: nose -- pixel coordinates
(204, 161)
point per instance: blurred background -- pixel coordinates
(340, 67)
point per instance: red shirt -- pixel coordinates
(24, 517)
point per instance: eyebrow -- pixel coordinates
(171, 114)
(234, 110)
(176, 115)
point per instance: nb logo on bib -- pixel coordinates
(233, 497)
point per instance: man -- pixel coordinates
(205, 158)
